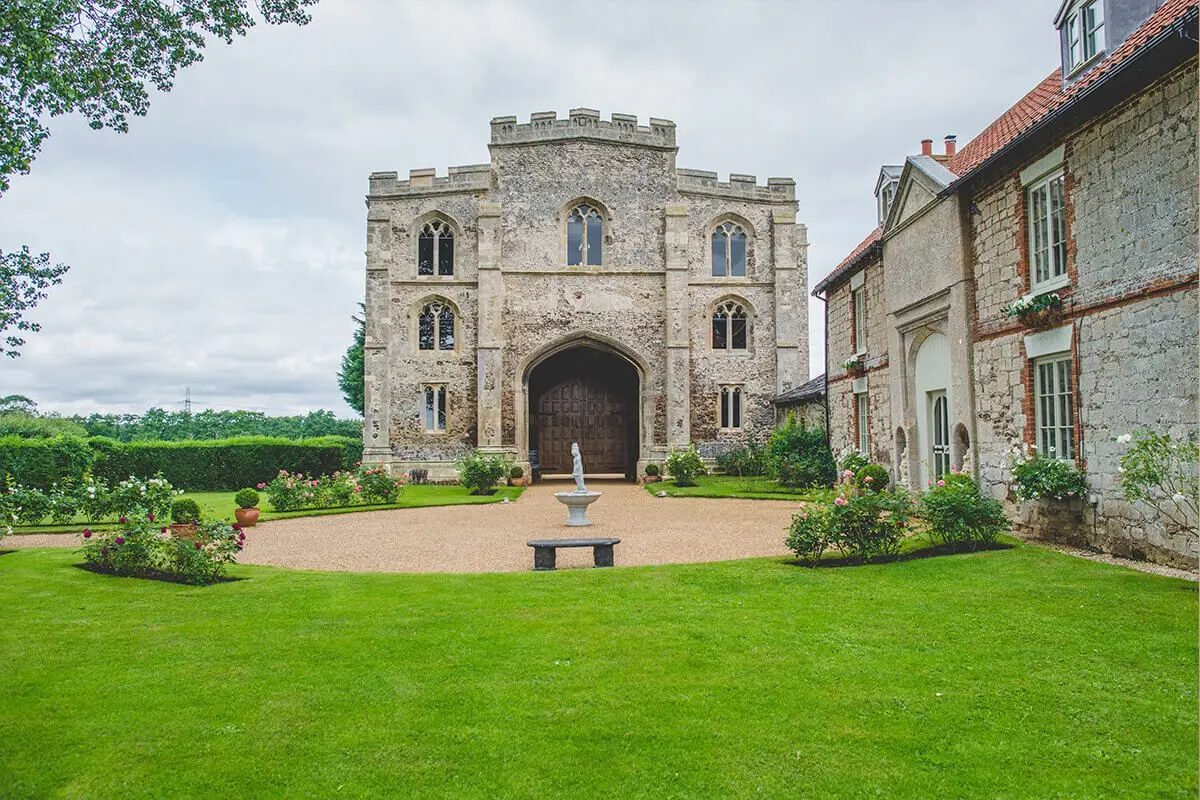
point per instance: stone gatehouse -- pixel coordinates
(579, 287)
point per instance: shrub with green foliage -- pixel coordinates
(185, 511)
(376, 485)
(812, 531)
(41, 463)
(33, 426)
(142, 547)
(134, 495)
(1162, 473)
(684, 466)
(652, 469)
(246, 498)
(799, 456)
(749, 461)
(955, 513)
(30, 506)
(872, 476)
(853, 460)
(1041, 477)
(863, 525)
(516, 473)
(481, 473)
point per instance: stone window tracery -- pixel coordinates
(729, 251)
(435, 327)
(435, 249)
(585, 233)
(730, 326)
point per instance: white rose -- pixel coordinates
(1124, 438)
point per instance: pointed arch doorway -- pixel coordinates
(584, 394)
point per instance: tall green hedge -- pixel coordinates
(39, 463)
(195, 466)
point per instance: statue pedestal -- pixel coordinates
(577, 503)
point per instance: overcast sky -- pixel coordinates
(219, 245)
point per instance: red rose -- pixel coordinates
(199, 546)
(120, 540)
(123, 520)
(150, 517)
(87, 534)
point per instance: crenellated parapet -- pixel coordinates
(583, 123)
(472, 177)
(699, 181)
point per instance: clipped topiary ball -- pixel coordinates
(246, 498)
(185, 511)
(516, 473)
(652, 469)
(879, 478)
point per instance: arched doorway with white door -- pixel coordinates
(931, 405)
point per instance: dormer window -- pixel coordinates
(1083, 34)
(886, 195)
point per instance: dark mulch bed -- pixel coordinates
(925, 552)
(163, 577)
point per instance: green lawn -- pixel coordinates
(732, 486)
(220, 505)
(1017, 673)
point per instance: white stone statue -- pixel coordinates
(577, 468)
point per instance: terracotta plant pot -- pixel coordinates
(651, 478)
(183, 530)
(246, 517)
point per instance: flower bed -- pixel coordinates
(141, 546)
(366, 486)
(91, 497)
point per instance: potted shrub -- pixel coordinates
(516, 476)
(1043, 311)
(1053, 494)
(855, 367)
(185, 515)
(247, 508)
(652, 473)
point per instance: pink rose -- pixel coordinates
(87, 534)
(237, 527)
(199, 546)
(847, 474)
(123, 520)
(868, 479)
(841, 501)
(150, 517)
(262, 485)
(120, 540)
(941, 483)
(163, 529)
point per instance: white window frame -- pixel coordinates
(858, 302)
(862, 417)
(1083, 43)
(730, 398)
(1052, 281)
(887, 195)
(429, 417)
(1052, 404)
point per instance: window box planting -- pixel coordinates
(1042, 311)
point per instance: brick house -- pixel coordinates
(1086, 188)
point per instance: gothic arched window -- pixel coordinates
(585, 231)
(435, 327)
(435, 249)
(729, 326)
(729, 251)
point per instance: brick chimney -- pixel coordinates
(927, 147)
(951, 144)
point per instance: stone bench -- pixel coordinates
(545, 550)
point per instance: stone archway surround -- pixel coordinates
(595, 341)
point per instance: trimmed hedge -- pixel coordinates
(39, 463)
(193, 466)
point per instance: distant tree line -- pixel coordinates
(19, 417)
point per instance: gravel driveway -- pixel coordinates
(491, 538)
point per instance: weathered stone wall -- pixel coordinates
(517, 298)
(1132, 306)
(842, 421)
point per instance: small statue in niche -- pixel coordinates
(577, 468)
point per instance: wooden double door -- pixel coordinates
(598, 415)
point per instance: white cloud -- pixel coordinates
(220, 244)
